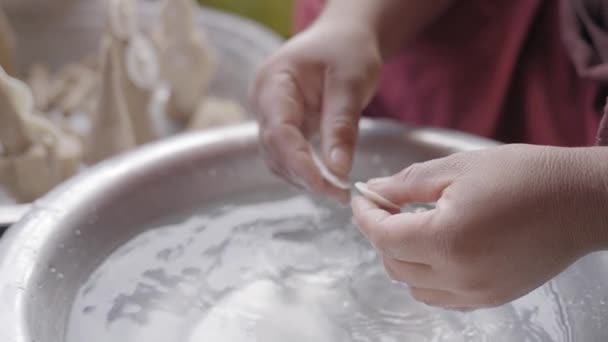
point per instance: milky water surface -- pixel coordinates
(291, 268)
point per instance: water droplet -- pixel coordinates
(78, 232)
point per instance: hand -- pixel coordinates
(507, 220)
(318, 81)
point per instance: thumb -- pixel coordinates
(339, 126)
(419, 183)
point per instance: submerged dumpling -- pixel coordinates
(268, 312)
(36, 155)
(186, 59)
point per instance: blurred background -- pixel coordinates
(275, 14)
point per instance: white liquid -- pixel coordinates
(286, 270)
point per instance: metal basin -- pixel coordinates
(47, 257)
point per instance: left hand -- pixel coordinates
(507, 220)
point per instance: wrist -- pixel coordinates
(591, 170)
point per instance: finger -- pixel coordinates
(402, 236)
(413, 274)
(341, 111)
(280, 108)
(420, 182)
(289, 155)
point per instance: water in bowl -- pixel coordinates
(286, 268)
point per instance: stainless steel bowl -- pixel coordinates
(79, 224)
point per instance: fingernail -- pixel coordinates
(339, 158)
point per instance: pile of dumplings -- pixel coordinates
(135, 89)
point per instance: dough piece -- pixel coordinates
(112, 132)
(36, 154)
(375, 197)
(8, 44)
(216, 112)
(187, 62)
(326, 173)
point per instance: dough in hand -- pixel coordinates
(375, 197)
(326, 173)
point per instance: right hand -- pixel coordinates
(318, 82)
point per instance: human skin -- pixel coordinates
(507, 219)
(320, 81)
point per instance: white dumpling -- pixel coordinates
(112, 132)
(15, 102)
(138, 69)
(123, 118)
(36, 154)
(139, 77)
(187, 62)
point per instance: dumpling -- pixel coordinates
(36, 155)
(187, 62)
(139, 77)
(15, 104)
(112, 132)
(131, 71)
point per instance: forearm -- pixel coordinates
(593, 170)
(393, 22)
